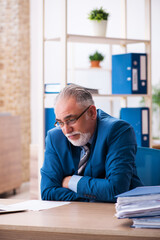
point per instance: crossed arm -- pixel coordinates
(119, 171)
(88, 189)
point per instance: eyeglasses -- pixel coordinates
(71, 121)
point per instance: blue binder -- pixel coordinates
(141, 191)
(129, 73)
(139, 119)
(49, 119)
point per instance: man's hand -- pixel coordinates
(66, 181)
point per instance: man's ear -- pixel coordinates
(92, 112)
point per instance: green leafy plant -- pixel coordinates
(156, 95)
(98, 14)
(155, 103)
(96, 57)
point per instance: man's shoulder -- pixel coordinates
(108, 124)
(105, 118)
(114, 128)
(55, 132)
(56, 137)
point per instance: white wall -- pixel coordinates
(81, 25)
(36, 66)
(155, 60)
(155, 41)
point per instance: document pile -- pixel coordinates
(142, 205)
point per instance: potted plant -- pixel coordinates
(99, 18)
(95, 59)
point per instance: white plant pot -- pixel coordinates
(99, 28)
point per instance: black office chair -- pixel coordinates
(148, 165)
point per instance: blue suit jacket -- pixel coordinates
(110, 169)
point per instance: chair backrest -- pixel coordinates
(148, 165)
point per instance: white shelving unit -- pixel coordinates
(122, 42)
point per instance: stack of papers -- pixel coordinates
(152, 222)
(142, 204)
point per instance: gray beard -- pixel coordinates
(83, 139)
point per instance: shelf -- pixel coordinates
(99, 40)
(116, 45)
(90, 69)
(120, 95)
(111, 95)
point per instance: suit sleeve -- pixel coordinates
(119, 167)
(52, 176)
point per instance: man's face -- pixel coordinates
(81, 131)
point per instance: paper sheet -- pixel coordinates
(31, 205)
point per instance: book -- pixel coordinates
(55, 88)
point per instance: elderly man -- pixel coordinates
(89, 155)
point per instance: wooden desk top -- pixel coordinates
(90, 221)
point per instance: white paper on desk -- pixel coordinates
(36, 205)
(9, 209)
(2, 206)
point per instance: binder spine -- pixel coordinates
(145, 127)
(143, 74)
(139, 73)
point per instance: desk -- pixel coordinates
(10, 148)
(84, 221)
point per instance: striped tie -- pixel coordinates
(83, 160)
